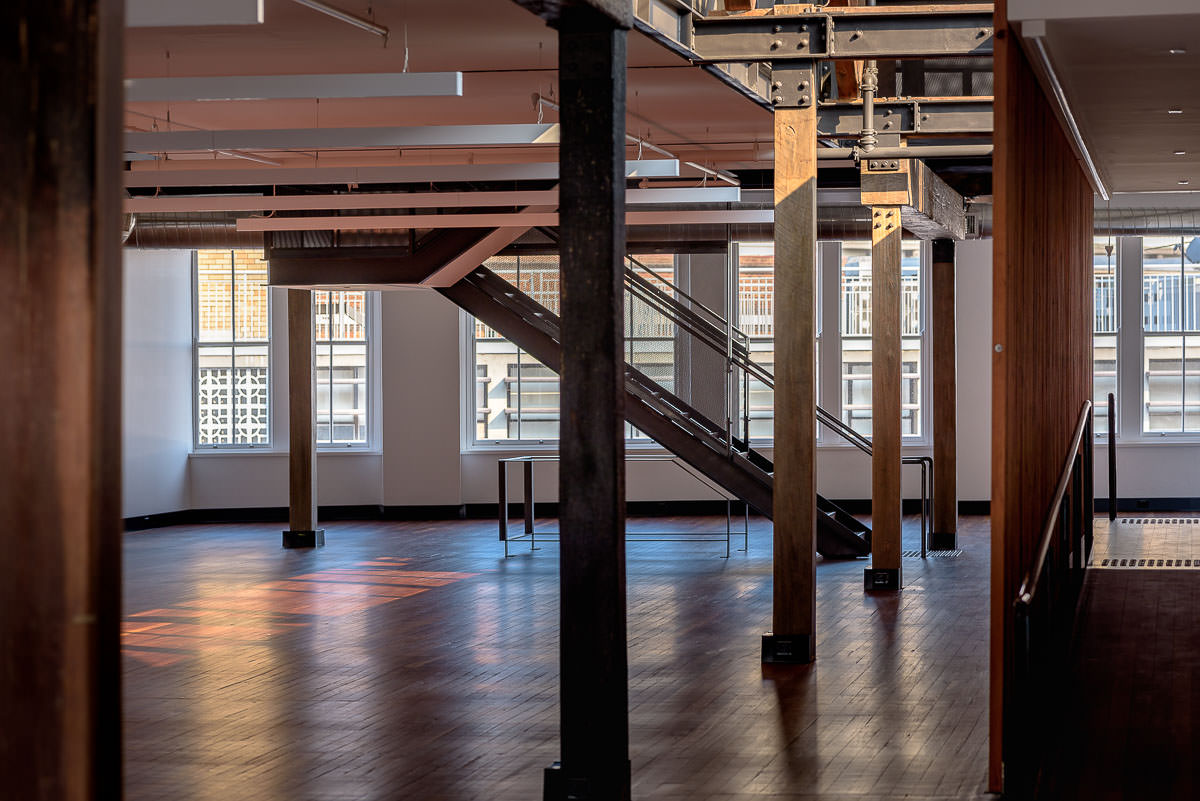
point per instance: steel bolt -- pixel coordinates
(778, 43)
(802, 85)
(776, 84)
(777, 29)
(777, 99)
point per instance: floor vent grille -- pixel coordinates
(931, 554)
(1159, 521)
(1174, 564)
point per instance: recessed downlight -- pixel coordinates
(1178, 51)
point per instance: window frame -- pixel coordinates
(373, 396)
(828, 344)
(1131, 352)
(232, 344)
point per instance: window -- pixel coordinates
(1171, 335)
(756, 318)
(342, 365)
(516, 397)
(855, 330)
(1104, 329)
(231, 342)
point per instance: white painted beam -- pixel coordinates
(515, 220)
(179, 13)
(342, 138)
(355, 176)
(275, 87)
(413, 200)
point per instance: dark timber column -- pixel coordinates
(793, 638)
(886, 381)
(60, 434)
(593, 670)
(302, 436)
(945, 400)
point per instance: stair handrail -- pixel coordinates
(740, 358)
(716, 318)
(1044, 612)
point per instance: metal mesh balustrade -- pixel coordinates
(517, 396)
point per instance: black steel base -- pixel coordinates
(788, 649)
(304, 539)
(556, 786)
(943, 540)
(881, 578)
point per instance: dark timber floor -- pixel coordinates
(412, 661)
(1134, 700)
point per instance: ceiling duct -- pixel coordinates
(188, 231)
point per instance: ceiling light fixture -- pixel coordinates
(1180, 152)
(1177, 51)
(272, 87)
(345, 16)
(343, 138)
(1174, 111)
(1184, 182)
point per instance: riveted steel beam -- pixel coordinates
(967, 116)
(867, 32)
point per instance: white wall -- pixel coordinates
(420, 462)
(156, 381)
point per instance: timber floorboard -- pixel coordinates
(1133, 700)
(412, 660)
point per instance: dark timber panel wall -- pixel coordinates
(1042, 323)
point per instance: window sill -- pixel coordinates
(1151, 442)
(209, 453)
(502, 448)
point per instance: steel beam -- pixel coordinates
(932, 116)
(945, 398)
(593, 663)
(413, 200)
(363, 176)
(871, 32)
(60, 435)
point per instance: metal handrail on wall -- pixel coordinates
(1044, 614)
(714, 331)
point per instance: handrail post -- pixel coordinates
(1112, 457)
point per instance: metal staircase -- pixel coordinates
(710, 447)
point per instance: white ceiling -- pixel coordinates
(506, 55)
(1120, 80)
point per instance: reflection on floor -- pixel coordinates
(1147, 542)
(1133, 700)
(412, 660)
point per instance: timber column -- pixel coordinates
(886, 382)
(302, 436)
(593, 678)
(60, 435)
(794, 618)
(945, 400)
(885, 188)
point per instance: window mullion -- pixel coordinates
(233, 399)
